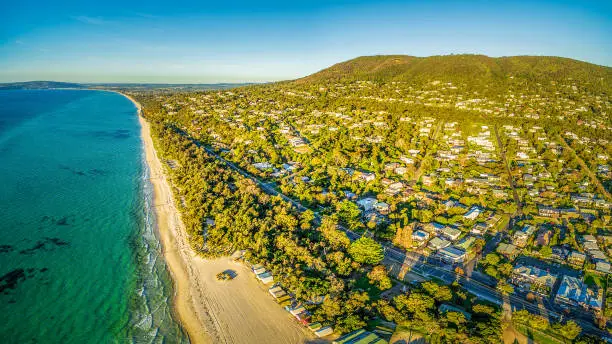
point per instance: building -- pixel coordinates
(521, 236)
(473, 213)
(576, 258)
(573, 292)
(367, 203)
(438, 243)
(532, 278)
(451, 234)
(420, 236)
(452, 255)
(507, 250)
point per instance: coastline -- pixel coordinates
(209, 311)
(167, 220)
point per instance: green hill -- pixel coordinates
(468, 69)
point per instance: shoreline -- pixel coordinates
(210, 311)
(167, 220)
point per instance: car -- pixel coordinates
(224, 276)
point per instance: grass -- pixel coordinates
(537, 336)
(364, 284)
(592, 279)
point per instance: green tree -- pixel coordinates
(570, 330)
(378, 276)
(366, 250)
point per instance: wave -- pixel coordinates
(152, 319)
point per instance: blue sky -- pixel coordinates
(234, 41)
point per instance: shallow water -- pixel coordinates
(79, 259)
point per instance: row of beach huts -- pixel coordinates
(289, 303)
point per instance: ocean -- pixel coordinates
(79, 258)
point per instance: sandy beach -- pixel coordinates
(211, 311)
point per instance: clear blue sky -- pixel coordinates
(231, 41)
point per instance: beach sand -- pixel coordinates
(211, 311)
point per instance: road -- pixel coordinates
(419, 264)
(584, 166)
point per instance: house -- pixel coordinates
(381, 207)
(507, 250)
(479, 229)
(452, 254)
(366, 176)
(262, 165)
(602, 266)
(433, 227)
(573, 292)
(420, 236)
(466, 243)
(575, 258)
(451, 234)
(533, 278)
(349, 194)
(438, 243)
(473, 213)
(367, 203)
(521, 236)
(394, 188)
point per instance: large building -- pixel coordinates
(573, 292)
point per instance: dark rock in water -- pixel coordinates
(62, 222)
(11, 279)
(6, 248)
(44, 270)
(47, 244)
(97, 172)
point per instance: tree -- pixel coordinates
(455, 318)
(546, 251)
(440, 293)
(570, 330)
(505, 288)
(403, 236)
(492, 259)
(366, 250)
(378, 276)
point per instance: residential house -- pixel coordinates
(452, 254)
(473, 213)
(420, 236)
(367, 203)
(451, 234)
(576, 258)
(522, 236)
(438, 243)
(533, 278)
(507, 250)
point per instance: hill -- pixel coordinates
(28, 85)
(469, 69)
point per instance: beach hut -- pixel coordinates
(277, 292)
(315, 326)
(296, 310)
(303, 317)
(259, 270)
(324, 331)
(265, 278)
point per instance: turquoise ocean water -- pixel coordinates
(79, 260)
